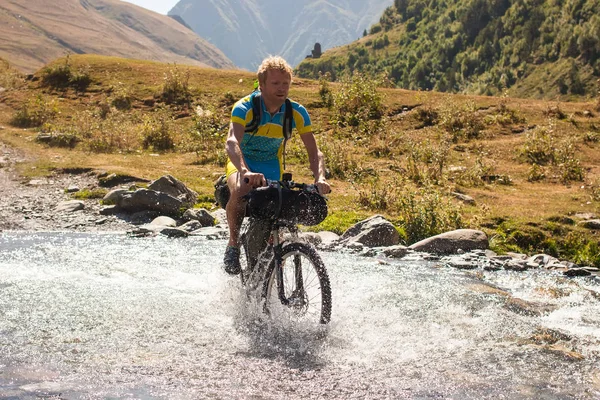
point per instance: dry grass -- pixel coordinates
(432, 133)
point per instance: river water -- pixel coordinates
(107, 316)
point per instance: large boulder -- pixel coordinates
(375, 231)
(453, 241)
(175, 188)
(145, 199)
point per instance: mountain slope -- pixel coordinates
(543, 49)
(248, 30)
(35, 32)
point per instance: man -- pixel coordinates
(256, 156)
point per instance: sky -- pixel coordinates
(159, 6)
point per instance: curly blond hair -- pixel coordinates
(273, 63)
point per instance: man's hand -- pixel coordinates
(253, 179)
(323, 186)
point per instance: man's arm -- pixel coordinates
(316, 161)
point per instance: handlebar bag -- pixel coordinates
(298, 206)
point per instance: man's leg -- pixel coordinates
(235, 210)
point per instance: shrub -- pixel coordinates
(156, 132)
(538, 147)
(34, 113)
(461, 121)
(426, 161)
(426, 212)
(340, 161)
(207, 137)
(357, 101)
(325, 91)
(62, 76)
(121, 97)
(176, 89)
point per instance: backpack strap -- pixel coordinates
(256, 114)
(288, 118)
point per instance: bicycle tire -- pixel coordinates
(315, 282)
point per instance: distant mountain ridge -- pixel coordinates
(34, 32)
(248, 30)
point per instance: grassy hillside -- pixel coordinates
(530, 166)
(543, 49)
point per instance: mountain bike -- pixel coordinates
(288, 274)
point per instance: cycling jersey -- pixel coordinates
(263, 149)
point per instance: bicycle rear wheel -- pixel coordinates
(306, 286)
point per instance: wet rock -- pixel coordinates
(172, 186)
(577, 272)
(73, 189)
(191, 226)
(174, 232)
(451, 242)
(311, 237)
(201, 215)
(145, 199)
(373, 232)
(114, 196)
(164, 221)
(397, 251)
(328, 238)
(484, 288)
(528, 308)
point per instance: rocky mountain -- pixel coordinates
(34, 32)
(248, 30)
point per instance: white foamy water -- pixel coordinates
(107, 316)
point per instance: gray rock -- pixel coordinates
(145, 199)
(114, 196)
(164, 221)
(464, 198)
(397, 251)
(70, 206)
(191, 226)
(373, 232)
(451, 242)
(175, 188)
(201, 215)
(328, 238)
(311, 237)
(174, 232)
(593, 224)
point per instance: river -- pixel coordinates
(107, 316)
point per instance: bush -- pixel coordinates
(62, 76)
(156, 132)
(207, 137)
(34, 113)
(357, 101)
(427, 212)
(176, 89)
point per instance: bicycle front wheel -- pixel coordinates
(305, 290)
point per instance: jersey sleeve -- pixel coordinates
(301, 119)
(241, 112)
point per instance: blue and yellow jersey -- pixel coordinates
(266, 143)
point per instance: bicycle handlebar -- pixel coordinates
(309, 187)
